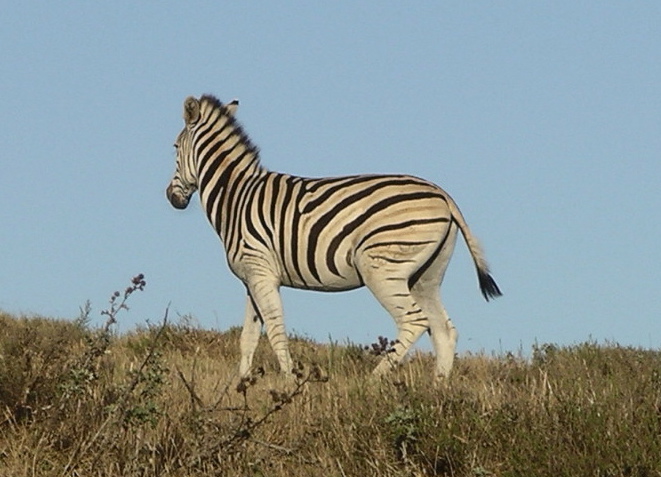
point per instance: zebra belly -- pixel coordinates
(326, 288)
(347, 278)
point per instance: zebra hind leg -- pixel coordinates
(405, 281)
(426, 291)
(441, 329)
(394, 295)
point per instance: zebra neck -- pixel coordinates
(225, 183)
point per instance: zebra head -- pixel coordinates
(185, 180)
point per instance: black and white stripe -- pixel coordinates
(394, 234)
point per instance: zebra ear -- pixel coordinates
(232, 106)
(191, 110)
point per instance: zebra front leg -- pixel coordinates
(266, 301)
(252, 328)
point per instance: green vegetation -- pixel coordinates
(165, 401)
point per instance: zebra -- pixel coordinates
(394, 234)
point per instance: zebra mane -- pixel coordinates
(238, 128)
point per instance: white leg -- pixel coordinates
(426, 292)
(443, 333)
(252, 328)
(411, 320)
(444, 338)
(268, 305)
(385, 271)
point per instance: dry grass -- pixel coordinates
(163, 401)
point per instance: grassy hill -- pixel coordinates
(165, 401)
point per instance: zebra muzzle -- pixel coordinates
(177, 200)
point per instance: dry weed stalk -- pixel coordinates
(229, 439)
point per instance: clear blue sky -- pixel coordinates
(542, 119)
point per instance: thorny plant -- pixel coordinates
(382, 347)
(230, 439)
(137, 283)
(279, 399)
(132, 403)
(84, 371)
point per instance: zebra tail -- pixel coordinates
(488, 285)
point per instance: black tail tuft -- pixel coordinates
(488, 285)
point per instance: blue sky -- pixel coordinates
(542, 119)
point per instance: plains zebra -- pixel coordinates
(394, 234)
